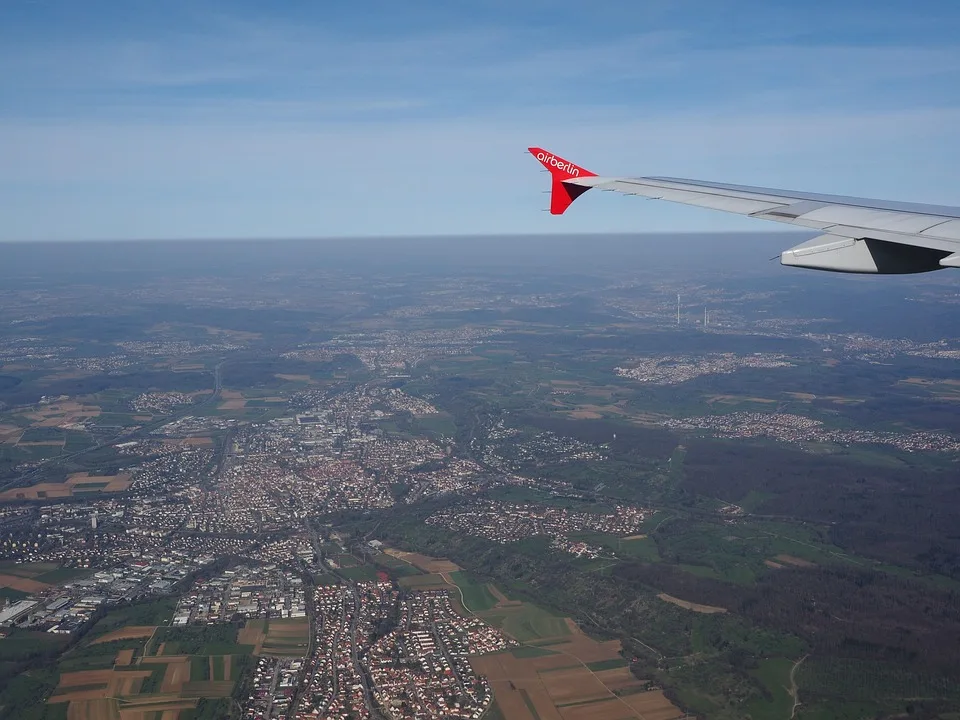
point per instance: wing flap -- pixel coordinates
(949, 230)
(908, 223)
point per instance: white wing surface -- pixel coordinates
(858, 235)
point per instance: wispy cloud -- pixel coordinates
(460, 71)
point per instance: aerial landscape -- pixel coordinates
(320, 399)
(474, 477)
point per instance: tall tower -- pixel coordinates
(704, 316)
(93, 520)
(678, 309)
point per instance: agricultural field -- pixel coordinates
(527, 622)
(424, 562)
(284, 637)
(254, 633)
(420, 582)
(359, 572)
(157, 612)
(232, 400)
(80, 483)
(287, 637)
(150, 686)
(558, 672)
(395, 566)
(576, 678)
(129, 632)
(135, 672)
(196, 640)
(25, 578)
(477, 596)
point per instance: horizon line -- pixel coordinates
(428, 236)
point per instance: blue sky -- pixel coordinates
(309, 118)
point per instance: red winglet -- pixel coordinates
(562, 193)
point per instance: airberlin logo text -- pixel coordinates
(562, 165)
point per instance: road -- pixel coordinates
(435, 631)
(355, 655)
(273, 690)
(794, 689)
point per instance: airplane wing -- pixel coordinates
(858, 235)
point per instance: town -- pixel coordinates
(798, 429)
(672, 370)
(505, 523)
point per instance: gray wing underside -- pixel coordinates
(886, 236)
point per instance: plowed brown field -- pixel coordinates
(127, 682)
(792, 560)
(562, 687)
(176, 675)
(619, 680)
(252, 634)
(610, 709)
(38, 491)
(696, 607)
(101, 709)
(574, 685)
(124, 657)
(582, 646)
(130, 632)
(84, 677)
(423, 562)
(653, 705)
(149, 709)
(22, 584)
(72, 695)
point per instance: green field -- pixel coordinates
(476, 596)
(63, 575)
(423, 581)
(774, 675)
(155, 612)
(152, 684)
(395, 566)
(359, 572)
(97, 656)
(77, 441)
(440, 425)
(218, 668)
(642, 549)
(527, 622)
(611, 664)
(200, 640)
(42, 434)
(199, 668)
